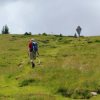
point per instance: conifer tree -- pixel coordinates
(78, 29)
(5, 30)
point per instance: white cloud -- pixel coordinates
(57, 16)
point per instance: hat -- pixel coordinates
(32, 39)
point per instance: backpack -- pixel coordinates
(35, 46)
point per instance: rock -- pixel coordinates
(94, 93)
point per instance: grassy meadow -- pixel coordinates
(69, 68)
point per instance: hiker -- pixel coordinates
(33, 51)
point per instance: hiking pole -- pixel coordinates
(38, 59)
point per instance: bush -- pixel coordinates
(65, 92)
(45, 34)
(26, 33)
(56, 35)
(98, 90)
(75, 94)
(97, 41)
(81, 94)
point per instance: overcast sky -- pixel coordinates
(51, 16)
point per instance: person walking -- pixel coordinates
(33, 51)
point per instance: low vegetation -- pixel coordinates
(69, 68)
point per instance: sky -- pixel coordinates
(51, 16)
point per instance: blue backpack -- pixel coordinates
(35, 46)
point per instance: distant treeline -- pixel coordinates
(5, 30)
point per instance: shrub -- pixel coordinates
(65, 92)
(97, 41)
(56, 35)
(45, 34)
(98, 90)
(75, 94)
(26, 33)
(81, 94)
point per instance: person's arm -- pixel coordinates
(28, 50)
(37, 51)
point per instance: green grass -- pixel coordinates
(69, 68)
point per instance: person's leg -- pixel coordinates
(31, 59)
(32, 63)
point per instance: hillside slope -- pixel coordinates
(69, 68)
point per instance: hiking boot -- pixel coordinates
(33, 65)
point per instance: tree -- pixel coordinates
(60, 35)
(30, 33)
(26, 33)
(45, 34)
(5, 30)
(78, 29)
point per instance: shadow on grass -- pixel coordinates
(26, 82)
